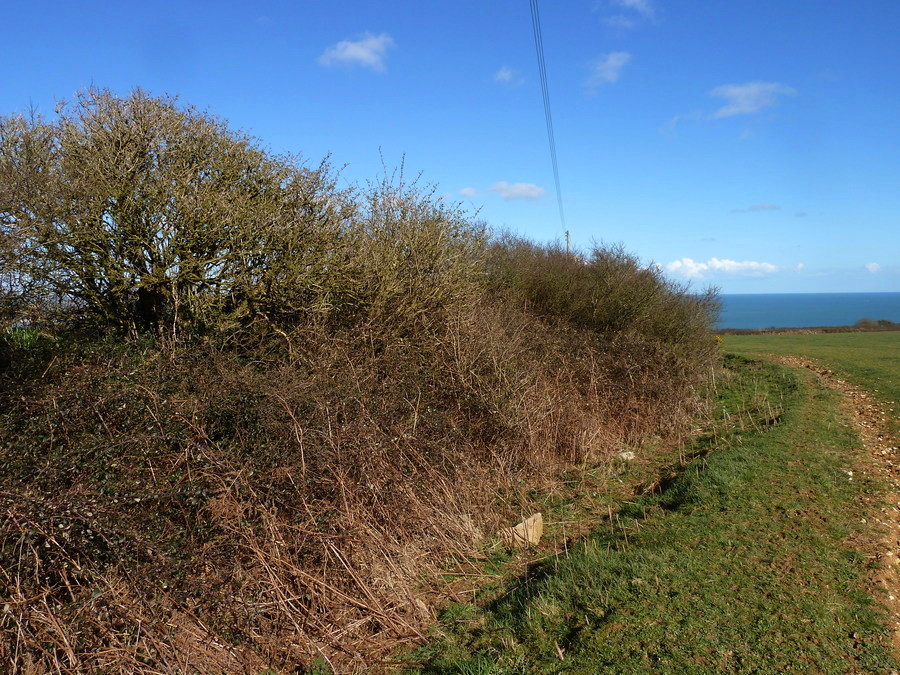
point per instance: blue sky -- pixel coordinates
(750, 144)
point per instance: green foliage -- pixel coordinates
(25, 347)
(607, 291)
(414, 256)
(145, 215)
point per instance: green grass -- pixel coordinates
(738, 563)
(869, 360)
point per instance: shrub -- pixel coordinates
(606, 291)
(415, 255)
(149, 216)
(874, 323)
(381, 386)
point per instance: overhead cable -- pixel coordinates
(542, 70)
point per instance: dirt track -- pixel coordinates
(882, 460)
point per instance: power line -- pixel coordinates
(545, 92)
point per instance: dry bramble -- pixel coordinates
(248, 419)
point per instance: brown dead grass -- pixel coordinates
(328, 397)
(299, 495)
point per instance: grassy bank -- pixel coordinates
(739, 563)
(266, 496)
(249, 418)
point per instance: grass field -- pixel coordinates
(741, 562)
(869, 360)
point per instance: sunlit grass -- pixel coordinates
(869, 360)
(740, 563)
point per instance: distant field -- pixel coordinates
(869, 360)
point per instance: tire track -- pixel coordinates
(870, 417)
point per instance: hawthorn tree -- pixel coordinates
(144, 215)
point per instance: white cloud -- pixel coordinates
(468, 192)
(503, 75)
(744, 99)
(668, 127)
(631, 13)
(607, 69)
(873, 267)
(369, 51)
(509, 191)
(643, 7)
(693, 269)
(509, 77)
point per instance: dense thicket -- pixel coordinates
(144, 216)
(325, 393)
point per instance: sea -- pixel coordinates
(800, 310)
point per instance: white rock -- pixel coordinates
(529, 531)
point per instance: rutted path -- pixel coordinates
(882, 459)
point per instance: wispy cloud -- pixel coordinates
(509, 77)
(800, 214)
(695, 269)
(741, 99)
(873, 267)
(620, 21)
(643, 7)
(630, 13)
(758, 207)
(468, 192)
(369, 52)
(669, 127)
(607, 69)
(745, 99)
(510, 191)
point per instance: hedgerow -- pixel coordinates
(247, 418)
